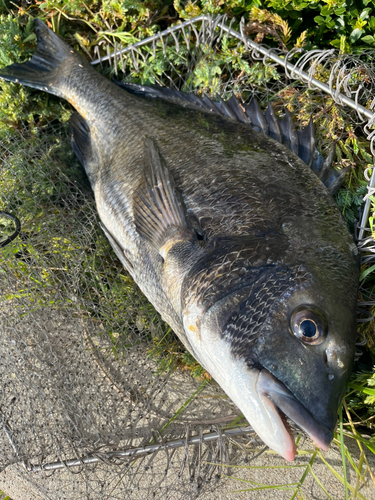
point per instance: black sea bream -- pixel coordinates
(231, 236)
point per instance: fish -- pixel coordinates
(231, 236)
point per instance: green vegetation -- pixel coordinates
(4, 496)
(347, 24)
(42, 167)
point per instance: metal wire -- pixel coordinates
(133, 453)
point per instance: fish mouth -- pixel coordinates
(277, 398)
(262, 398)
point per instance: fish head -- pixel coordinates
(279, 339)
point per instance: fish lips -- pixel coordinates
(283, 399)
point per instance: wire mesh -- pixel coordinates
(89, 404)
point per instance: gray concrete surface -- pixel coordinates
(62, 396)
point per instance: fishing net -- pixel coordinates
(98, 399)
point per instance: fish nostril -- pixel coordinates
(334, 358)
(328, 354)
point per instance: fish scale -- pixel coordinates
(231, 236)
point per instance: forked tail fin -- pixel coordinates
(49, 66)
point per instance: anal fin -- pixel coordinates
(159, 211)
(80, 140)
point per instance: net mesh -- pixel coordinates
(91, 403)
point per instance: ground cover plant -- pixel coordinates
(92, 27)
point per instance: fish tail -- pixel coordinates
(49, 66)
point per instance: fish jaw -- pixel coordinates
(261, 397)
(271, 388)
(240, 382)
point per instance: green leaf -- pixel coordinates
(371, 23)
(340, 11)
(319, 19)
(360, 388)
(326, 10)
(336, 43)
(367, 272)
(365, 13)
(343, 453)
(368, 39)
(367, 157)
(340, 23)
(355, 35)
(30, 38)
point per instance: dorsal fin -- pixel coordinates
(256, 117)
(289, 135)
(236, 109)
(306, 143)
(334, 179)
(301, 142)
(222, 108)
(273, 124)
(331, 178)
(174, 96)
(208, 104)
(317, 163)
(327, 162)
(159, 211)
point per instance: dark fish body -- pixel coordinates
(232, 237)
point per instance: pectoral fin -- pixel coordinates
(159, 211)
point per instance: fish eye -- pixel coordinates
(308, 324)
